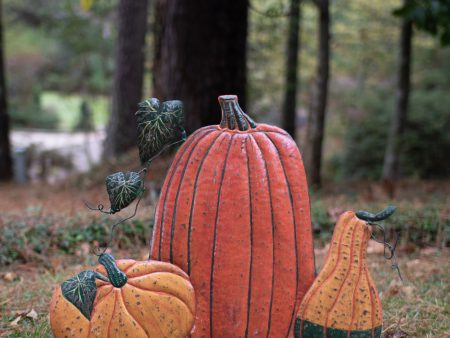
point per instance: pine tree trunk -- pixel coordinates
(316, 123)
(200, 53)
(399, 117)
(128, 77)
(5, 151)
(290, 98)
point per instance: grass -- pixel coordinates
(418, 307)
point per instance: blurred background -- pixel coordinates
(362, 86)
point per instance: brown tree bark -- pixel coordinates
(200, 53)
(291, 81)
(399, 116)
(316, 123)
(5, 148)
(128, 77)
(291, 85)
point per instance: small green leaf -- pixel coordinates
(159, 125)
(123, 189)
(81, 291)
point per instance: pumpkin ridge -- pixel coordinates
(130, 267)
(355, 290)
(295, 230)
(211, 281)
(372, 314)
(350, 266)
(187, 159)
(158, 271)
(329, 275)
(194, 195)
(170, 174)
(164, 293)
(122, 299)
(273, 231)
(293, 164)
(174, 214)
(98, 299)
(195, 138)
(112, 314)
(251, 237)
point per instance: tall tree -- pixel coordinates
(433, 17)
(200, 53)
(128, 76)
(5, 151)
(316, 123)
(398, 121)
(290, 94)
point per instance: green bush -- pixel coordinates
(24, 237)
(424, 148)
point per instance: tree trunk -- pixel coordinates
(5, 151)
(316, 125)
(290, 98)
(399, 117)
(200, 53)
(128, 77)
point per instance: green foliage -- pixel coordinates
(34, 237)
(431, 16)
(81, 291)
(424, 150)
(159, 125)
(123, 189)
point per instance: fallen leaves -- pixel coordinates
(27, 314)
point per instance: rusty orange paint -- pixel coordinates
(343, 296)
(157, 301)
(234, 214)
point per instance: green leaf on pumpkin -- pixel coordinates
(123, 189)
(81, 291)
(159, 125)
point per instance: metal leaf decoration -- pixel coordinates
(81, 291)
(159, 124)
(123, 189)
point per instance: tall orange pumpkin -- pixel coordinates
(234, 214)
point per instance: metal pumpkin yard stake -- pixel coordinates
(343, 300)
(126, 298)
(234, 214)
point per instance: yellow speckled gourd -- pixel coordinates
(141, 299)
(343, 300)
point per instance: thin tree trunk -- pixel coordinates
(399, 117)
(290, 98)
(128, 77)
(316, 125)
(5, 151)
(200, 53)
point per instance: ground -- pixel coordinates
(417, 307)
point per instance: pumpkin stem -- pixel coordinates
(369, 217)
(233, 117)
(116, 277)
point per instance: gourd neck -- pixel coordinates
(233, 117)
(116, 277)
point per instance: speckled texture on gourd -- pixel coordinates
(157, 301)
(343, 301)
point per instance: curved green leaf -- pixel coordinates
(123, 189)
(159, 124)
(81, 291)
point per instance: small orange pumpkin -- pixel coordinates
(343, 300)
(138, 299)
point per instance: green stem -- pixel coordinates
(116, 277)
